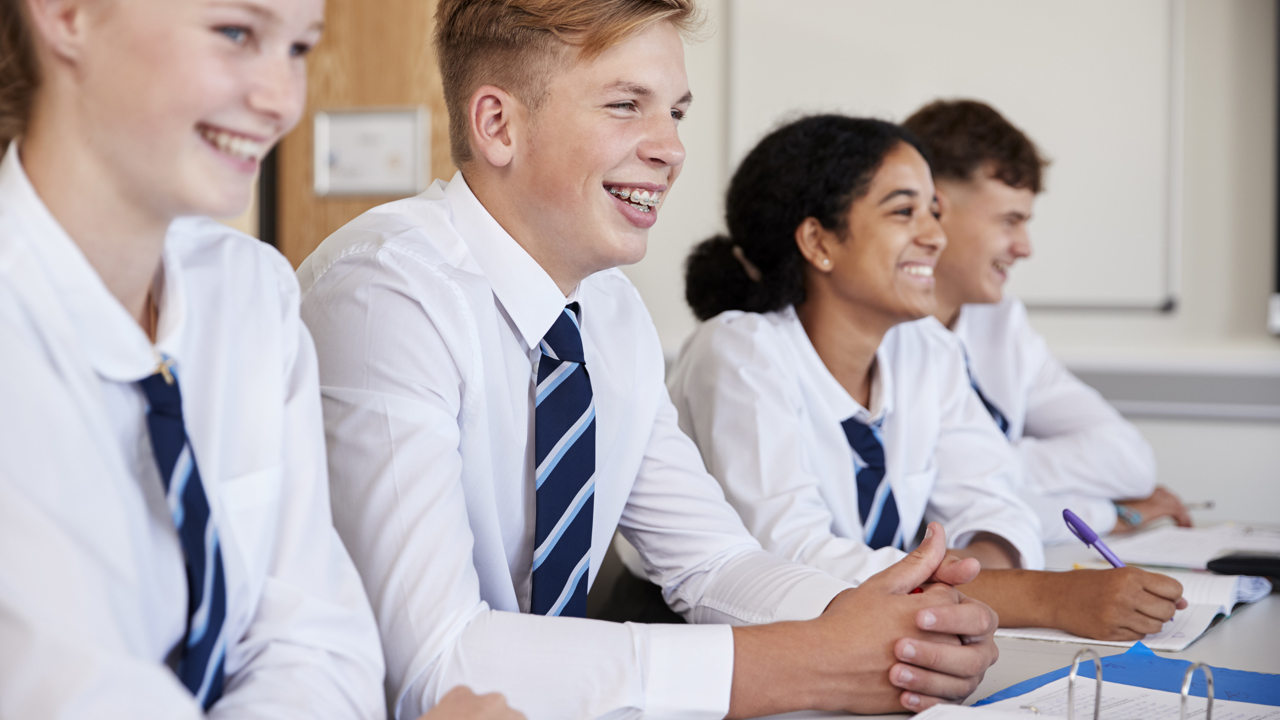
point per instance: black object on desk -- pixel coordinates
(1265, 564)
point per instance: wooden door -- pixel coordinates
(374, 53)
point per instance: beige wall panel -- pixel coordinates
(373, 54)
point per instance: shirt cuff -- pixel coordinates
(808, 598)
(690, 673)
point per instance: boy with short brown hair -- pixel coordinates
(1076, 451)
(495, 408)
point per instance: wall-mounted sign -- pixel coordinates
(380, 151)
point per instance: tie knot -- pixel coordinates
(564, 340)
(162, 395)
(864, 441)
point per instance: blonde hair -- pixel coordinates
(517, 45)
(18, 71)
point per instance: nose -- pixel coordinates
(279, 91)
(1021, 245)
(662, 146)
(931, 234)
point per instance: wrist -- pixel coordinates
(770, 669)
(1127, 516)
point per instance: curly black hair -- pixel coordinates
(815, 167)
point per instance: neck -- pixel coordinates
(846, 341)
(121, 239)
(947, 313)
(505, 207)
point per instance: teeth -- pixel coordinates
(1002, 267)
(918, 270)
(643, 200)
(234, 145)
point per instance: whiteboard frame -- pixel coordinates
(1174, 181)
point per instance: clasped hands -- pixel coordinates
(936, 645)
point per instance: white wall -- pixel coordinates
(1229, 215)
(1228, 246)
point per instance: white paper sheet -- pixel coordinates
(1123, 702)
(1193, 547)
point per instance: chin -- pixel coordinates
(629, 249)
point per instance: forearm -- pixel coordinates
(1022, 598)
(767, 677)
(991, 551)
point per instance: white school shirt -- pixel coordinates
(765, 412)
(1076, 451)
(427, 317)
(93, 591)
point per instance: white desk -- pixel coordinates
(1248, 640)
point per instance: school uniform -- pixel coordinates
(1074, 449)
(93, 571)
(435, 335)
(773, 425)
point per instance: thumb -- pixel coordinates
(915, 569)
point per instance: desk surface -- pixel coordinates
(1248, 640)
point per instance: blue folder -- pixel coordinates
(1142, 668)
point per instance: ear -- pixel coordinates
(496, 120)
(815, 243)
(59, 25)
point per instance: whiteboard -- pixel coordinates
(1097, 84)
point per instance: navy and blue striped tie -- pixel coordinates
(1001, 421)
(877, 507)
(201, 656)
(565, 460)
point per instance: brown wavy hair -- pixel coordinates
(965, 136)
(18, 71)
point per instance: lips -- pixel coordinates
(638, 202)
(236, 146)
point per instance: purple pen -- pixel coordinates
(1089, 537)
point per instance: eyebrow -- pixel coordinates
(634, 88)
(902, 191)
(264, 12)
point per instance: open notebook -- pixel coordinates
(1193, 547)
(1208, 596)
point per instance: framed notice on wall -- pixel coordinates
(1096, 83)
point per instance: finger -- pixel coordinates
(1126, 634)
(915, 569)
(933, 684)
(1146, 622)
(957, 571)
(916, 702)
(1182, 604)
(1157, 609)
(1162, 586)
(969, 617)
(947, 659)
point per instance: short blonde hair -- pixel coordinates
(517, 45)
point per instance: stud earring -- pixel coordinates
(826, 262)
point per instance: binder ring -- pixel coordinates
(1097, 696)
(1186, 690)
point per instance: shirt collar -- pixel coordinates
(527, 293)
(115, 345)
(838, 399)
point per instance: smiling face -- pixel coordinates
(884, 266)
(986, 225)
(602, 153)
(180, 99)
